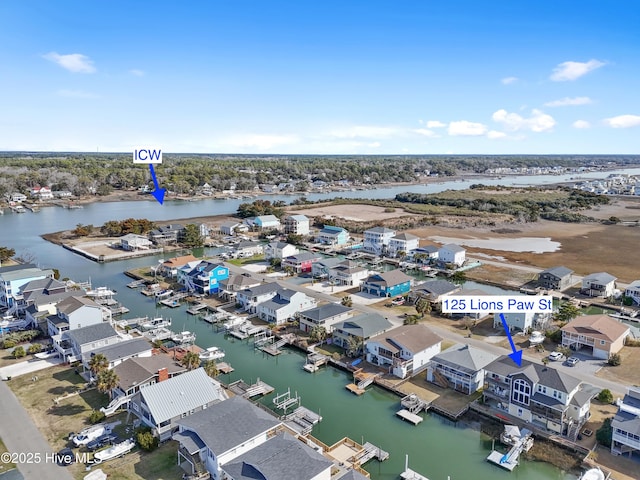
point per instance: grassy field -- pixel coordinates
(5, 467)
(244, 261)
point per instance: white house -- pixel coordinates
(267, 222)
(348, 273)
(132, 242)
(376, 240)
(633, 291)
(279, 250)
(284, 306)
(626, 424)
(598, 285)
(404, 242)
(250, 298)
(452, 253)
(121, 351)
(515, 320)
(73, 345)
(76, 312)
(232, 228)
(324, 316)
(404, 350)
(16, 197)
(296, 224)
(460, 367)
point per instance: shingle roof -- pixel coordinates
(452, 247)
(413, 338)
(71, 304)
(353, 475)
(559, 272)
(92, 333)
(19, 272)
(380, 230)
(390, 278)
(465, 357)
(42, 284)
(261, 289)
(134, 371)
(240, 280)
(179, 261)
(601, 277)
(438, 287)
(183, 393)
(123, 349)
(364, 325)
(325, 311)
(331, 230)
(228, 424)
(405, 237)
(602, 327)
(542, 374)
(626, 420)
(282, 457)
(303, 257)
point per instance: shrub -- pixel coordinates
(605, 396)
(34, 348)
(8, 343)
(19, 352)
(555, 336)
(146, 440)
(615, 359)
(604, 433)
(96, 416)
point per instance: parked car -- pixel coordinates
(101, 441)
(555, 356)
(572, 361)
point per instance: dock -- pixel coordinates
(195, 309)
(136, 283)
(174, 300)
(240, 387)
(509, 460)
(361, 380)
(274, 348)
(284, 400)
(315, 361)
(224, 367)
(353, 388)
(409, 474)
(302, 420)
(409, 417)
(370, 451)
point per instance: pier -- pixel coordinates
(174, 300)
(274, 348)
(361, 380)
(509, 460)
(240, 387)
(302, 420)
(224, 367)
(136, 283)
(315, 361)
(411, 406)
(195, 309)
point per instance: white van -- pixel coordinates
(91, 433)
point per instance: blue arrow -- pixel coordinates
(516, 356)
(158, 193)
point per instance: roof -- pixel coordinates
(282, 457)
(380, 230)
(413, 338)
(229, 224)
(332, 230)
(627, 420)
(92, 333)
(602, 327)
(298, 218)
(20, 272)
(601, 277)
(42, 284)
(179, 261)
(326, 311)
(329, 262)
(189, 440)
(559, 272)
(465, 358)
(364, 325)
(71, 304)
(427, 249)
(126, 348)
(303, 257)
(452, 247)
(137, 370)
(240, 280)
(261, 289)
(405, 237)
(634, 284)
(227, 424)
(182, 393)
(267, 218)
(438, 287)
(353, 475)
(133, 236)
(541, 374)
(392, 277)
(280, 245)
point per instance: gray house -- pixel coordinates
(556, 278)
(73, 345)
(460, 367)
(361, 328)
(121, 351)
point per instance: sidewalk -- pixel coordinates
(28, 366)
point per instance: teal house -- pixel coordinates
(387, 284)
(330, 235)
(204, 278)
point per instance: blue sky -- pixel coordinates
(326, 77)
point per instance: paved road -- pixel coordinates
(20, 435)
(28, 366)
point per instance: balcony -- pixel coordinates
(622, 438)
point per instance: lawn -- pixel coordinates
(238, 262)
(627, 371)
(5, 467)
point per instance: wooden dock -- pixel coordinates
(353, 388)
(240, 387)
(409, 417)
(509, 460)
(361, 380)
(224, 367)
(370, 451)
(195, 309)
(274, 348)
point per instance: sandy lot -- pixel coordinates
(356, 213)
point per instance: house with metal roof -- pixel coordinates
(599, 284)
(232, 228)
(325, 316)
(358, 329)
(539, 394)
(556, 278)
(219, 434)
(387, 284)
(625, 438)
(460, 367)
(598, 335)
(267, 222)
(405, 350)
(73, 345)
(121, 351)
(296, 224)
(160, 406)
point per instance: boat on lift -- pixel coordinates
(212, 353)
(157, 322)
(184, 337)
(100, 292)
(593, 474)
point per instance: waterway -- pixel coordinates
(437, 448)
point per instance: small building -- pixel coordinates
(453, 254)
(404, 350)
(403, 242)
(357, 330)
(376, 240)
(599, 284)
(434, 291)
(626, 425)
(301, 262)
(121, 351)
(296, 225)
(284, 306)
(556, 278)
(325, 316)
(387, 284)
(460, 367)
(267, 222)
(132, 243)
(250, 298)
(633, 292)
(598, 335)
(332, 235)
(248, 248)
(279, 250)
(233, 228)
(162, 405)
(204, 278)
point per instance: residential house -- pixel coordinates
(250, 298)
(453, 254)
(267, 222)
(387, 284)
(301, 262)
(296, 224)
(42, 193)
(434, 291)
(215, 436)
(166, 235)
(229, 287)
(248, 248)
(36, 288)
(359, 329)
(556, 278)
(204, 230)
(515, 320)
(121, 351)
(170, 267)
(16, 197)
(332, 235)
(132, 243)
(13, 278)
(279, 250)
(626, 425)
(471, 292)
(539, 394)
(460, 367)
(405, 350)
(203, 278)
(430, 252)
(233, 228)
(598, 335)
(348, 273)
(41, 305)
(206, 189)
(598, 285)
(633, 292)
(162, 405)
(403, 243)
(76, 312)
(325, 316)
(73, 345)
(284, 306)
(376, 240)
(322, 268)
(62, 194)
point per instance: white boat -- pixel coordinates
(212, 353)
(310, 367)
(117, 450)
(163, 293)
(184, 337)
(536, 338)
(228, 325)
(593, 474)
(100, 292)
(157, 322)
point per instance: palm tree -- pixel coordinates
(346, 301)
(190, 360)
(98, 364)
(107, 381)
(353, 345)
(318, 333)
(211, 368)
(423, 305)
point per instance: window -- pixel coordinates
(521, 392)
(602, 342)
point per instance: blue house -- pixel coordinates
(330, 235)
(13, 278)
(204, 278)
(387, 284)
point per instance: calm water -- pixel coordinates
(436, 448)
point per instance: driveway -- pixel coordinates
(587, 364)
(28, 366)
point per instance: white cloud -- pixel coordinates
(260, 141)
(623, 121)
(75, 94)
(538, 122)
(435, 124)
(463, 128)
(137, 73)
(365, 131)
(568, 71)
(426, 132)
(569, 102)
(494, 134)
(581, 124)
(74, 62)
(509, 80)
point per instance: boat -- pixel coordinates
(151, 289)
(512, 435)
(310, 367)
(117, 450)
(157, 322)
(163, 293)
(536, 338)
(184, 337)
(100, 292)
(233, 322)
(593, 474)
(212, 353)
